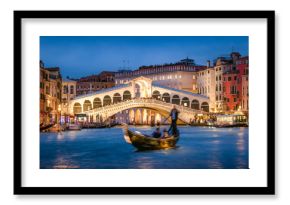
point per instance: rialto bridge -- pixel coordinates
(140, 93)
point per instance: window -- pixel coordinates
(71, 89)
(235, 99)
(47, 90)
(216, 78)
(65, 89)
(220, 77)
(233, 89)
(235, 78)
(229, 78)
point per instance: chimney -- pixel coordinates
(208, 63)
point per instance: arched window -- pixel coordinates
(205, 107)
(195, 105)
(77, 108)
(156, 95)
(117, 98)
(97, 103)
(176, 100)
(127, 95)
(185, 102)
(166, 97)
(87, 105)
(107, 100)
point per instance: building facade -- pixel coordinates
(180, 75)
(54, 94)
(50, 94)
(236, 84)
(94, 83)
(68, 94)
(44, 82)
(225, 83)
(220, 66)
(243, 67)
(206, 85)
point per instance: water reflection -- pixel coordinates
(144, 163)
(60, 136)
(62, 163)
(198, 148)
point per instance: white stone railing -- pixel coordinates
(185, 115)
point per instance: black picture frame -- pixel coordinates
(268, 190)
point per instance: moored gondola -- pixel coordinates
(145, 142)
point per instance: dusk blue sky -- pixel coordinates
(79, 56)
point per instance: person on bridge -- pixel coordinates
(174, 117)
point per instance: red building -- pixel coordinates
(243, 67)
(235, 80)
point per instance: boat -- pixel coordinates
(74, 127)
(45, 127)
(146, 142)
(56, 128)
(231, 120)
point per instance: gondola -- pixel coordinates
(145, 142)
(45, 127)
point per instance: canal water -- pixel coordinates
(198, 148)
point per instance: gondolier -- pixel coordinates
(174, 117)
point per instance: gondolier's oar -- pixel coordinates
(165, 120)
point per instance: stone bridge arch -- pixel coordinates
(186, 113)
